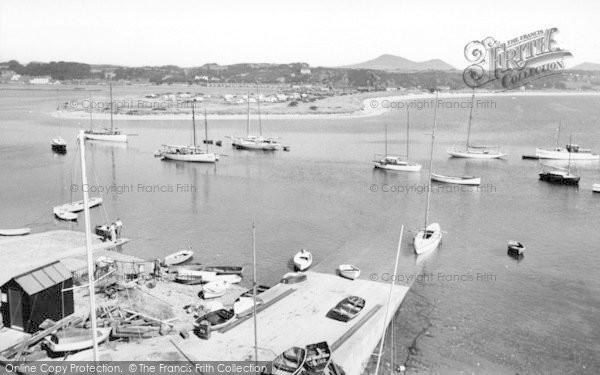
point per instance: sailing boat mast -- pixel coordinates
(88, 247)
(407, 132)
(258, 101)
(387, 309)
(248, 117)
(194, 123)
(112, 130)
(254, 291)
(558, 134)
(205, 130)
(569, 151)
(386, 141)
(430, 166)
(90, 104)
(470, 119)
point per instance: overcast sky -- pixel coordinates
(320, 32)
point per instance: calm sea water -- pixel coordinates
(488, 311)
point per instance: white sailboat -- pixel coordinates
(570, 151)
(253, 142)
(395, 162)
(430, 236)
(110, 135)
(471, 151)
(193, 153)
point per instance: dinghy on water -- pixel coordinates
(63, 214)
(74, 339)
(596, 188)
(77, 206)
(349, 271)
(15, 232)
(303, 260)
(458, 180)
(289, 362)
(178, 257)
(58, 145)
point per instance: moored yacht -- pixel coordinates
(109, 135)
(560, 176)
(395, 162)
(570, 151)
(430, 237)
(193, 153)
(253, 142)
(472, 151)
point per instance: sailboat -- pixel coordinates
(560, 175)
(112, 134)
(394, 162)
(570, 151)
(471, 151)
(192, 153)
(430, 236)
(253, 142)
(58, 144)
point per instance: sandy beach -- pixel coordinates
(335, 107)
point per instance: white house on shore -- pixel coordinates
(43, 80)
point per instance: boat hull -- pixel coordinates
(349, 271)
(559, 179)
(596, 188)
(178, 257)
(456, 180)
(303, 260)
(122, 138)
(77, 342)
(424, 244)
(401, 168)
(475, 155)
(15, 232)
(565, 155)
(197, 158)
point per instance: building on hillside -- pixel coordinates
(43, 80)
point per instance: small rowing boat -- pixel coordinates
(214, 289)
(318, 357)
(516, 249)
(217, 319)
(347, 309)
(78, 206)
(178, 257)
(245, 306)
(225, 270)
(458, 180)
(74, 339)
(289, 362)
(15, 232)
(349, 271)
(63, 214)
(303, 260)
(596, 188)
(293, 278)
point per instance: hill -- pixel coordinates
(587, 66)
(391, 63)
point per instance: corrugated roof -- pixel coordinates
(43, 278)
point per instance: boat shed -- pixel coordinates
(31, 297)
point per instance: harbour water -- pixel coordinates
(487, 311)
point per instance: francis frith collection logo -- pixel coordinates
(516, 62)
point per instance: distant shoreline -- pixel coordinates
(350, 106)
